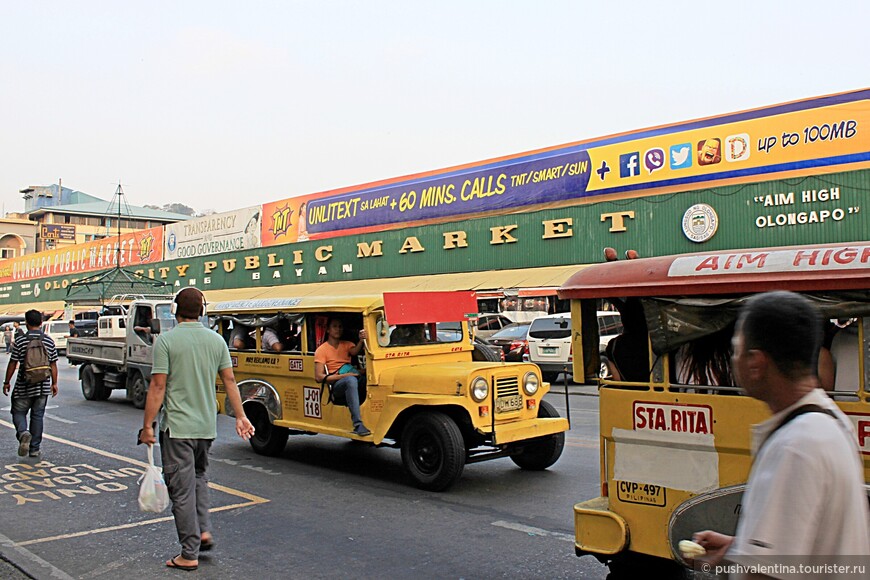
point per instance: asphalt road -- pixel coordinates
(327, 508)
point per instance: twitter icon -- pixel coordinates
(681, 156)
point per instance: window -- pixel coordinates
(556, 327)
(7, 253)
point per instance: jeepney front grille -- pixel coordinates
(507, 387)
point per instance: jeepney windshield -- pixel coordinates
(419, 334)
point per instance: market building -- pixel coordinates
(789, 174)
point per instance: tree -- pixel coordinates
(179, 208)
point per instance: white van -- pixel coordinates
(550, 341)
(112, 326)
(58, 330)
(550, 344)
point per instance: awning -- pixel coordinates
(489, 281)
(539, 278)
(43, 306)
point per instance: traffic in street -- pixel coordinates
(325, 508)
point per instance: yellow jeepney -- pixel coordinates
(675, 452)
(424, 394)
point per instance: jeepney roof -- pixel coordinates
(813, 268)
(349, 303)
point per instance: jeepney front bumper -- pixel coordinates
(597, 530)
(528, 429)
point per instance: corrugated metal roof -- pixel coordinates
(105, 208)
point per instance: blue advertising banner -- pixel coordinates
(506, 186)
(744, 147)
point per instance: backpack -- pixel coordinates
(36, 366)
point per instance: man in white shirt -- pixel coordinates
(805, 501)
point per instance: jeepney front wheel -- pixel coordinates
(541, 452)
(433, 451)
(93, 388)
(268, 439)
(138, 391)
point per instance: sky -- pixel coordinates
(222, 105)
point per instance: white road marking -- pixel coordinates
(53, 418)
(256, 468)
(533, 531)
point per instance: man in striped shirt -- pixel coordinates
(30, 398)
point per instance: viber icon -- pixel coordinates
(654, 159)
(681, 156)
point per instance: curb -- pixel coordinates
(28, 563)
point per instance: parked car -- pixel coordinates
(489, 324)
(483, 350)
(58, 330)
(512, 340)
(550, 342)
(86, 327)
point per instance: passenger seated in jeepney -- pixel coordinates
(845, 351)
(270, 340)
(628, 351)
(291, 336)
(240, 337)
(706, 360)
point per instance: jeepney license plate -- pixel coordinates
(548, 350)
(643, 493)
(505, 404)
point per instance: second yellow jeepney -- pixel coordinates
(429, 398)
(675, 450)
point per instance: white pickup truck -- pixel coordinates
(120, 356)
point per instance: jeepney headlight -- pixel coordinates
(479, 389)
(530, 384)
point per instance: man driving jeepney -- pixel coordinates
(332, 366)
(408, 334)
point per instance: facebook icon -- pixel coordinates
(629, 164)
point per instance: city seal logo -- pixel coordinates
(700, 222)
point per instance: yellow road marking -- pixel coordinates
(250, 498)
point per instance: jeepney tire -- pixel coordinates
(268, 439)
(482, 353)
(433, 451)
(629, 565)
(604, 369)
(138, 391)
(541, 452)
(92, 385)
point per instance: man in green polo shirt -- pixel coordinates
(186, 361)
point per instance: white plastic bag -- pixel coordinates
(153, 495)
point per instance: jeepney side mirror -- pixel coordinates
(154, 324)
(383, 330)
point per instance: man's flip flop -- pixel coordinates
(206, 545)
(173, 564)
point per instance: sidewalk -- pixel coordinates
(9, 570)
(17, 563)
